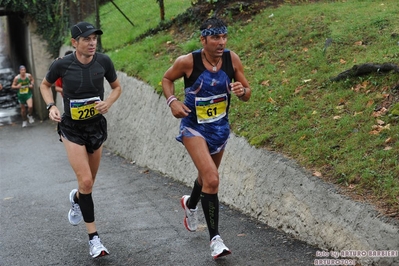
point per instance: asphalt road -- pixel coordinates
(138, 213)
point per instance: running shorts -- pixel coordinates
(22, 98)
(215, 142)
(91, 133)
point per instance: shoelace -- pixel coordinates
(96, 242)
(218, 244)
(75, 209)
(193, 211)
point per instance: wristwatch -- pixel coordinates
(49, 106)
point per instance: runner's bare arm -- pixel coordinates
(182, 67)
(103, 106)
(47, 94)
(240, 81)
(15, 84)
(32, 81)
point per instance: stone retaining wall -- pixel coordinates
(259, 183)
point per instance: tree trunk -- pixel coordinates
(360, 70)
(162, 9)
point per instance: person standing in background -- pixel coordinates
(58, 83)
(82, 127)
(212, 75)
(23, 82)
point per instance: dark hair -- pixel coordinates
(212, 22)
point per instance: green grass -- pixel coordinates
(143, 14)
(295, 109)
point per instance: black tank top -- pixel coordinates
(198, 67)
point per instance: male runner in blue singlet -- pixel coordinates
(212, 75)
(82, 127)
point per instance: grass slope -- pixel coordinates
(345, 131)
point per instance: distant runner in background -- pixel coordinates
(23, 82)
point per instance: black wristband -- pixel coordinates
(48, 107)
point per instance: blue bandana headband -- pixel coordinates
(214, 31)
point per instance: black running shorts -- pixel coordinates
(91, 133)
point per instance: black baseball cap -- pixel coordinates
(84, 29)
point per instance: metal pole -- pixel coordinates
(98, 25)
(122, 12)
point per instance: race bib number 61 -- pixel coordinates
(82, 109)
(210, 109)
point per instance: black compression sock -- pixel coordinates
(93, 235)
(195, 195)
(87, 207)
(210, 206)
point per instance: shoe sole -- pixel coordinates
(185, 217)
(71, 195)
(74, 224)
(224, 253)
(102, 254)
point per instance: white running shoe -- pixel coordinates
(74, 214)
(218, 248)
(31, 120)
(190, 215)
(24, 123)
(97, 249)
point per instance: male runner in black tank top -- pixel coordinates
(212, 76)
(82, 127)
